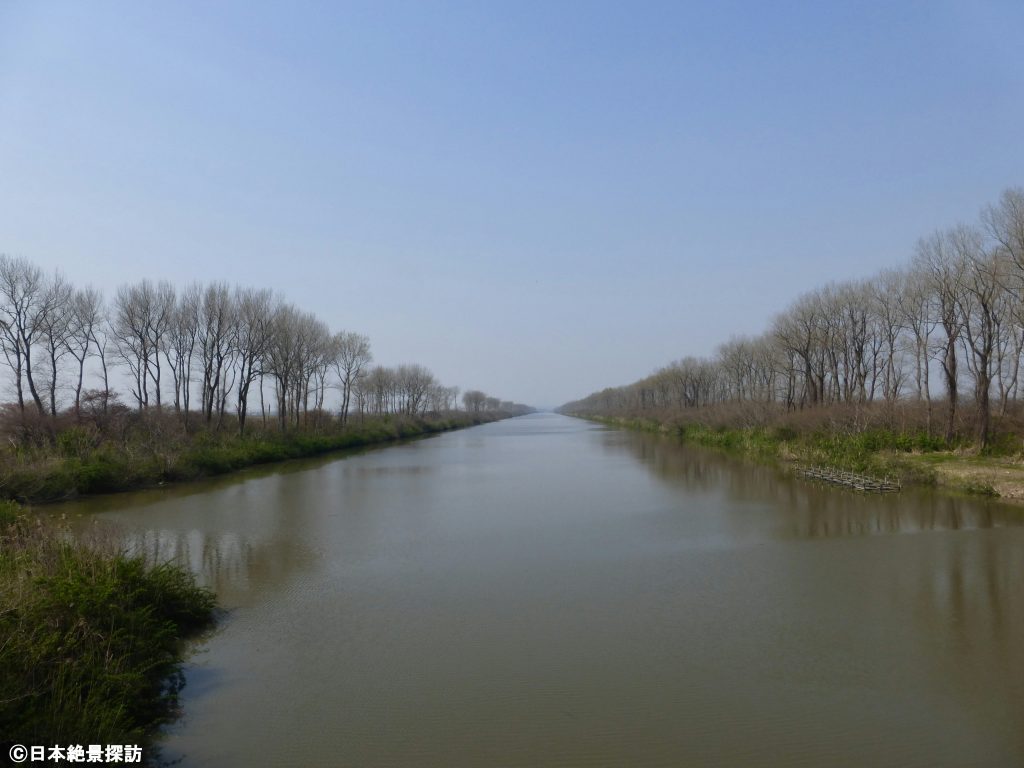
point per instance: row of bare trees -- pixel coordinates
(476, 401)
(227, 345)
(954, 313)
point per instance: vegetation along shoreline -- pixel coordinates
(219, 377)
(913, 372)
(94, 636)
(77, 466)
(909, 458)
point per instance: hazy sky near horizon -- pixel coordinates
(537, 199)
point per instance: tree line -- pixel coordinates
(204, 351)
(954, 312)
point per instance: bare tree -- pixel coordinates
(980, 277)
(161, 324)
(1004, 223)
(936, 258)
(799, 331)
(130, 327)
(297, 352)
(1009, 340)
(87, 314)
(256, 317)
(311, 342)
(352, 355)
(55, 322)
(22, 292)
(917, 314)
(379, 389)
(179, 347)
(216, 338)
(414, 382)
(280, 359)
(103, 341)
(885, 292)
(474, 400)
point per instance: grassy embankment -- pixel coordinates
(91, 639)
(915, 457)
(82, 461)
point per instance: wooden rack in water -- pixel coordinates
(851, 479)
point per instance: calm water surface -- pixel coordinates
(545, 592)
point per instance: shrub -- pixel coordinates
(1004, 444)
(979, 489)
(92, 645)
(74, 441)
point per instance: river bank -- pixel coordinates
(915, 458)
(93, 637)
(80, 463)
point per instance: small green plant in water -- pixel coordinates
(979, 489)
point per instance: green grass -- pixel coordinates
(749, 441)
(10, 511)
(92, 640)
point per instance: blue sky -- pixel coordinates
(534, 199)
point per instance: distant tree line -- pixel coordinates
(955, 312)
(204, 351)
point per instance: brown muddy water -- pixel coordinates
(546, 592)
